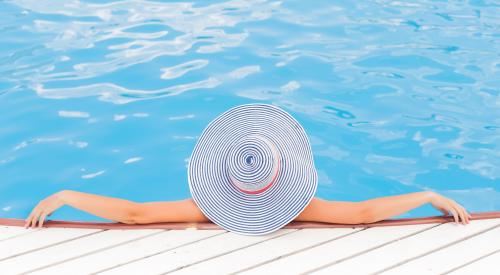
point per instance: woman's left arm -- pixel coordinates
(107, 207)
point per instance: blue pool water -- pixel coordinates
(110, 97)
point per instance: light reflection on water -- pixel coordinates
(110, 97)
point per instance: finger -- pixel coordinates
(454, 212)
(35, 219)
(26, 222)
(42, 218)
(30, 217)
(34, 212)
(30, 221)
(466, 218)
(467, 215)
(462, 213)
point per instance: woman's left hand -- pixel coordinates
(43, 209)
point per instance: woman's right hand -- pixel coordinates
(446, 205)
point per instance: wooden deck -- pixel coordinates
(432, 248)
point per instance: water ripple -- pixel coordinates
(120, 95)
(181, 69)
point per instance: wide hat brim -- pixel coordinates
(252, 214)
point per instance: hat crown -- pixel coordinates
(253, 163)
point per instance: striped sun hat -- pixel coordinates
(252, 170)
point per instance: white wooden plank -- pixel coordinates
(129, 252)
(72, 249)
(266, 251)
(189, 254)
(414, 246)
(39, 239)
(337, 249)
(452, 256)
(484, 266)
(7, 232)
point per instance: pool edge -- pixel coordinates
(292, 225)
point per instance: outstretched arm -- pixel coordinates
(116, 209)
(377, 209)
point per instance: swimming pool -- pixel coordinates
(109, 97)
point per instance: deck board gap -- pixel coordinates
(436, 249)
(299, 251)
(157, 253)
(371, 249)
(471, 262)
(96, 251)
(50, 245)
(228, 252)
(20, 234)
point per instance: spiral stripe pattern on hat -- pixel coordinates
(253, 164)
(219, 160)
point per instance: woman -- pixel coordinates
(251, 172)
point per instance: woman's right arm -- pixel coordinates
(386, 207)
(377, 209)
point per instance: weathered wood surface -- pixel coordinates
(432, 248)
